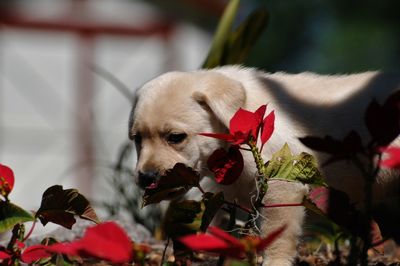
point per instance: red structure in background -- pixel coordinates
(79, 23)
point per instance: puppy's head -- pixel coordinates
(169, 113)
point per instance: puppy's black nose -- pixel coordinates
(147, 178)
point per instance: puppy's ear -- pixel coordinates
(223, 97)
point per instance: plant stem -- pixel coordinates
(17, 234)
(252, 258)
(201, 189)
(369, 177)
(235, 204)
(164, 252)
(261, 182)
(262, 177)
(30, 231)
(257, 158)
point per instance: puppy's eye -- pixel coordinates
(138, 139)
(176, 138)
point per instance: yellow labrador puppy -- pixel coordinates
(172, 109)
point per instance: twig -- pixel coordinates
(245, 209)
(164, 252)
(121, 87)
(30, 231)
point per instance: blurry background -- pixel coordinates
(63, 122)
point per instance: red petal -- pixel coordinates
(226, 137)
(240, 138)
(320, 197)
(6, 179)
(107, 241)
(4, 255)
(226, 166)
(224, 236)
(245, 122)
(268, 128)
(393, 161)
(72, 249)
(260, 112)
(34, 253)
(20, 244)
(265, 242)
(376, 236)
(209, 243)
(203, 242)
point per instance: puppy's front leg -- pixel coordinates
(283, 250)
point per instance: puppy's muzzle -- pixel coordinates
(147, 178)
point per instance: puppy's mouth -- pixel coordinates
(147, 179)
(175, 183)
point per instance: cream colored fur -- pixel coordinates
(304, 104)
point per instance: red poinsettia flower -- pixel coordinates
(393, 161)
(226, 166)
(35, 253)
(5, 255)
(6, 180)
(246, 125)
(268, 127)
(106, 241)
(222, 243)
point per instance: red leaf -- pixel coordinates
(72, 249)
(223, 235)
(4, 255)
(6, 180)
(105, 241)
(265, 242)
(220, 242)
(204, 242)
(320, 197)
(223, 243)
(377, 238)
(226, 166)
(236, 139)
(394, 157)
(260, 112)
(34, 253)
(245, 122)
(226, 137)
(108, 241)
(268, 128)
(20, 244)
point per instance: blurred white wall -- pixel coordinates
(38, 92)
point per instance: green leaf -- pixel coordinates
(245, 37)
(176, 182)
(302, 168)
(232, 47)
(60, 205)
(278, 159)
(184, 217)
(221, 36)
(238, 263)
(189, 216)
(11, 214)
